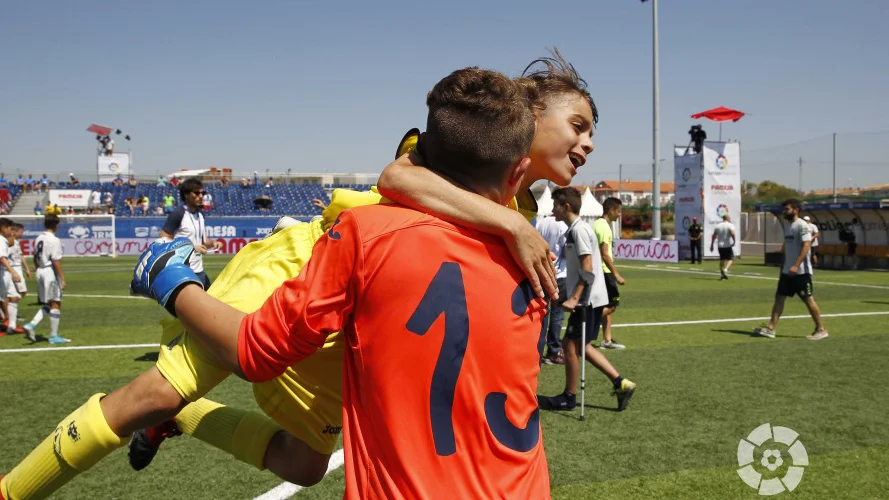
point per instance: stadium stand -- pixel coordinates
(232, 200)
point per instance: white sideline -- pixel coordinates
(287, 490)
(655, 267)
(623, 325)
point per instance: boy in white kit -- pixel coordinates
(50, 281)
(8, 276)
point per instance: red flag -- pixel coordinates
(720, 114)
(99, 129)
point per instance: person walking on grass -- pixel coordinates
(796, 274)
(724, 238)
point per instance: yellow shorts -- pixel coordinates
(305, 401)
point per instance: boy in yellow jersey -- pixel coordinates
(305, 403)
(605, 238)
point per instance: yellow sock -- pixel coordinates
(243, 434)
(79, 442)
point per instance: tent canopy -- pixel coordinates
(590, 207)
(545, 203)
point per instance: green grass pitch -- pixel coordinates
(704, 384)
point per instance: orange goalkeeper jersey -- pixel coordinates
(443, 339)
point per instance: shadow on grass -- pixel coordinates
(874, 302)
(737, 332)
(749, 333)
(148, 356)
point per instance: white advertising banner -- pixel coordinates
(649, 250)
(109, 167)
(64, 198)
(722, 190)
(687, 202)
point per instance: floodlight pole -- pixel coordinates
(655, 164)
(834, 167)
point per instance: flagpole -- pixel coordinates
(656, 146)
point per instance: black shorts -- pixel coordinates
(613, 291)
(726, 253)
(852, 248)
(593, 318)
(800, 284)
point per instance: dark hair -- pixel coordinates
(794, 203)
(610, 203)
(189, 185)
(6, 222)
(552, 77)
(568, 196)
(51, 222)
(480, 122)
(18, 226)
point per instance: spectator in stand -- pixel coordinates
(131, 204)
(108, 199)
(20, 182)
(208, 201)
(158, 210)
(224, 182)
(118, 181)
(146, 204)
(132, 182)
(73, 180)
(169, 203)
(30, 183)
(255, 178)
(244, 183)
(94, 202)
(38, 210)
(270, 183)
(174, 181)
(69, 211)
(4, 207)
(44, 183)
(4, 182)
(161, 182)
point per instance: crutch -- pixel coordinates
(582, 364)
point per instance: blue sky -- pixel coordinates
(314, 86)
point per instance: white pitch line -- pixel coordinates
(733, 320)
(624, 325)
(81, 296)
(78, 348)
(654, 268)
(287, 490)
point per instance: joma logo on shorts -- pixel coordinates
(332, 430)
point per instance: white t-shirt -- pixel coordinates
(15, 254)
(580, 241)
(95, 197)
(182, 223)
(794, 236)
(47, 248)
(553, 232)
(723, 232)
(4, 252)
(813, 230)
